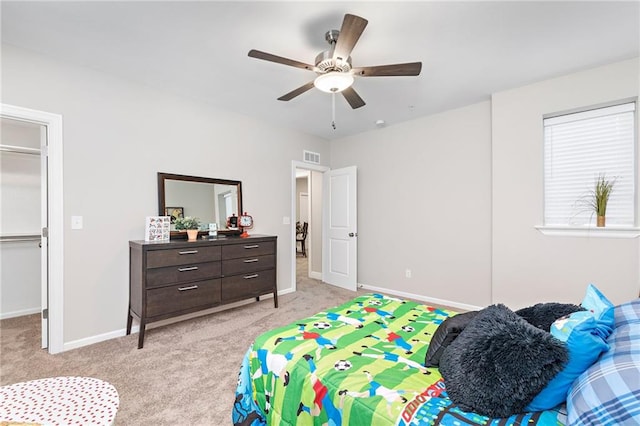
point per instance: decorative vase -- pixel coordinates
(192, 234)
(600, 222)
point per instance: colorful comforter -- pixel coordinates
(361, 363)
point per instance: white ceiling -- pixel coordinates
(199, 49)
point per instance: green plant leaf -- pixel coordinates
(187, 222)
(597, 199)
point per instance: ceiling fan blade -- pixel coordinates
(410, 68)
(280, 60)
(353, 98)
(299, 91)
(352, 28)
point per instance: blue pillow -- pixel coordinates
(596, 303)
(585, 334)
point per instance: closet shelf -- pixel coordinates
(21, 237)
(19, 149)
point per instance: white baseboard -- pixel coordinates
(94, 339)
(285, 291)
(316, 275)
(420, 297)
(20, 313)
(135, 328)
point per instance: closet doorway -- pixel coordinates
(23, 186)
(31, 219)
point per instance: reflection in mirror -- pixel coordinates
(210, 200)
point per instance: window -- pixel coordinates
(580, 147)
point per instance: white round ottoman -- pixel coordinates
(60, 401)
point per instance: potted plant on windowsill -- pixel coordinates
(190, 224)
(596, 200)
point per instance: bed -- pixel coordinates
(361, 363)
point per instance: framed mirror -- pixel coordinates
(210, 200)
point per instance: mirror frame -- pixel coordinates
(162, 177)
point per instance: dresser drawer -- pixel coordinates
(165, 300)
(183, 273)
(235, 251)
(248, 285)
(248, 264)
(187, 255)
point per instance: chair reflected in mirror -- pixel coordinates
(301, 237)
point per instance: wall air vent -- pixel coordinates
(311, 157)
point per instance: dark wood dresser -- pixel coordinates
(168, 279)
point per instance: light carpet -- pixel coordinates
(186, 374)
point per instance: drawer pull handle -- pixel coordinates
(250, 260)
(188, 252)
(191, 287)
(189, 268)
(248, 277)
(252, 246)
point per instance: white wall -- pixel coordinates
(302, 186)
(110, 128)
(314, 243)
(470, 180)
(528, 266)
(424, 204)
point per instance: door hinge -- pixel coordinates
(45, 313)
(45, 232)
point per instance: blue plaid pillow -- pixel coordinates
(608, 393)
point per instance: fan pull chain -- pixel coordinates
(333, 110)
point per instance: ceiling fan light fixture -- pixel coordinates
(334, 81)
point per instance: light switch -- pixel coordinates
(286, 220)
(76, 222)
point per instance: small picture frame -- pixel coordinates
(157, 228)
(174, 213)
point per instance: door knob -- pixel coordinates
(351, 234)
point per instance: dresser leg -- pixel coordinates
(257, 298)
(129, 321)
(275, 299)
(141, 334)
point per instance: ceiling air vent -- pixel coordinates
(311, 157)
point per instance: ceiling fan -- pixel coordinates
(333, 66)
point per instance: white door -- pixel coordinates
(340, 243)
(44, 241)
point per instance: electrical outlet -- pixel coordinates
(407, 273)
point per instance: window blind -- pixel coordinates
(580, 147)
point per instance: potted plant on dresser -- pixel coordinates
(189, 224)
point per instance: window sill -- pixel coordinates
(588, 231)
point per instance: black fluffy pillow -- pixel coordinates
(499, 363)
(444, 335)
(542, 315)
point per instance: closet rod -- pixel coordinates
(19, 149)
(16, 238)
